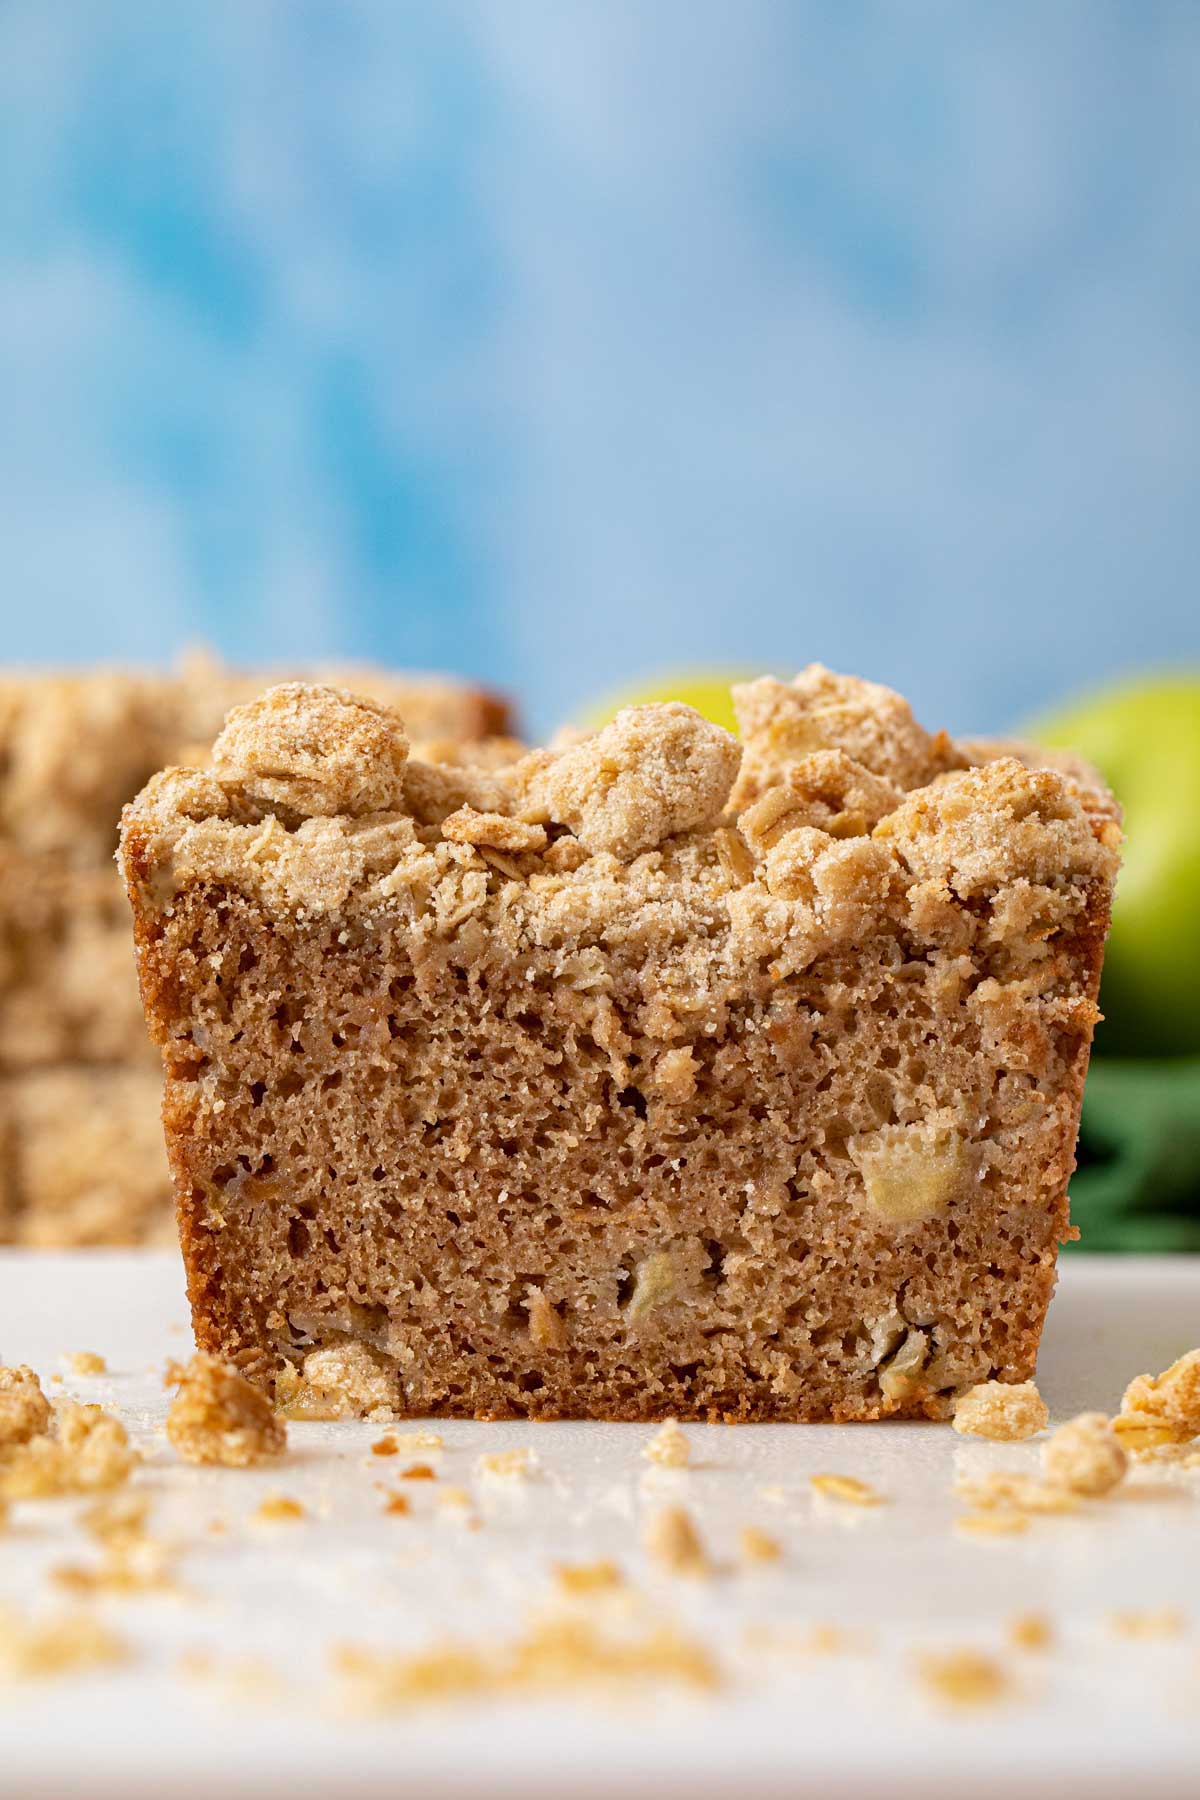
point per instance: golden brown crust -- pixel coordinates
(659, 1112)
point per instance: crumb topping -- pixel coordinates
(316, 750)
(218, 1417)
(654, 772)
(855, 824)
(1003, 1411)
(780, 723)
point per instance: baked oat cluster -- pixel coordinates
(654, 1076)
(81, 1159)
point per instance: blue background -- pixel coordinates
(551, 341)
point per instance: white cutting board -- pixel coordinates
(1097, 1713)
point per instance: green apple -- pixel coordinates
(705, 689)
(1144, 737)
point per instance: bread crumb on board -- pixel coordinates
(550, 1656)
(24, 1410)
(992, 1524)
(1161, 1411)
(1084, 1456)
(588, 1578)
(846, 1488)
(669, 1446)
(218, 1417)
(42, 1649)
(758, 1546)
(70, 1449)
(963, 1678)
(279, 1509)
(1004, 1411)
(672, 1541)
(1030, 1631)
(1012, 1490)
(1146, 1623)
(509, 1465)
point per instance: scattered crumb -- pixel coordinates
(118, 1520)
(133, 1562)
(832, 1640)
(1001, 1410)
(774, 1494)
(86, 1362)
(588, 1578)
(406, 1443)
(56, 1380)
(279, 1509)
(847, 1488)
(1137, 1623)
(24, 1409)
(1085, 1456)
(756, 1546)
(1016, 1491)
(669, 1447)
(88, 1452)
(822, 1639)
(672, 1541)
(41, 1649)
(243, 1679)
(509, 1465)
(1142, 1435)
(549, 1657)
(1030, 1631)
(457, 1504)
(963, 1678)
(145, 1566)
(418, 1472)
(992, 1524)
(1170, 1400)
(411, 1443)
(217, 1417)
(399, 1504)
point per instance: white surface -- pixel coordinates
(1097, 1714)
